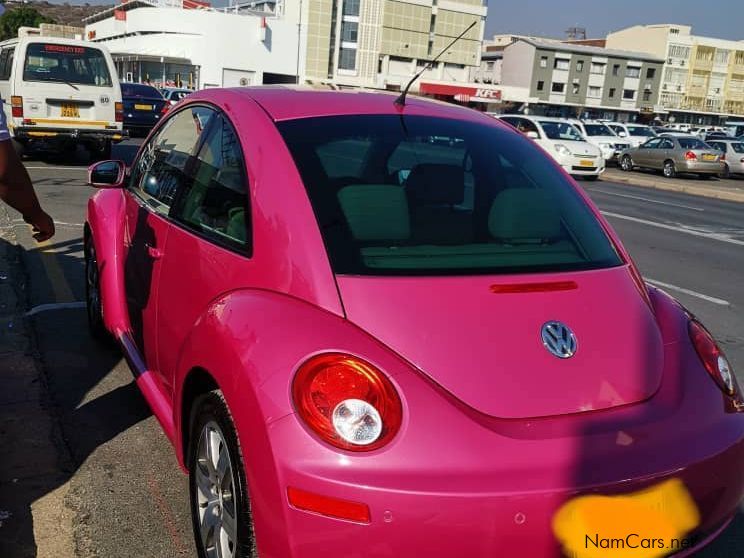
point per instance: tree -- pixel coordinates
(23, 16)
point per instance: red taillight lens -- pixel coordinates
(16, 106)
(690, 156)
(347, 402)
(119, 112)
(166, 108)
(723, 157)
(713, 358)
(325, 505)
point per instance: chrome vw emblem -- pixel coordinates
(559, 340)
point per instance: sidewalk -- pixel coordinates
(729, 189)
(34, 521)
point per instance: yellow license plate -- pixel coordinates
(70, 110)
(142, 107)
(586, 163)
(708, 157)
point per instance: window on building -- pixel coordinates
(558, 87)
(579, 65)
(351, 7)
(650, 73)
(721, 57)
(616, 69)
(562, 64)
(575, 88)
(594, 92)
(632, 72)
(347, 59)
(543, 61)
(629, 94)
(540, 85)
(598, 68)
(612, 92)
(349, 31)
(489, 66)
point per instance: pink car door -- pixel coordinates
(157, 175)
(209, 245)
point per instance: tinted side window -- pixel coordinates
(215, 203)
(652, 144)
(6, 62)
(163, 165)
(667, 144)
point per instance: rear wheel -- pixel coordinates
(220, 508)
(626, 163)
(726, 172)
(101, 151)
(669, 170)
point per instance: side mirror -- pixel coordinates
(107, 174)
(532, 134)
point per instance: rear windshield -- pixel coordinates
(560, 131)
(598, 130)
(66, 64)
(419, 195)
(139, 90)
(641, 131)
(692, 143)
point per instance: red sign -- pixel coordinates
(64, 48)
(461, 91)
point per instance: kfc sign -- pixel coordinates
(494, 94)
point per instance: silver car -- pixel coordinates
(673, 154)
(732, 154)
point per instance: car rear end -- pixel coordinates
(144, 106)
(695, 156)
(65, 91)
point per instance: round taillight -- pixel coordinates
(713, 359)
(347, 402)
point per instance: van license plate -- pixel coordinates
(70, 110)
(142, 107)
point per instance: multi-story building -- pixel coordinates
(703, 77)
(583, 81)
(383, 43)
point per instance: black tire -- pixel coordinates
(669, 169)
(726, 172)
(705, 176)
(626, 163)
(211, 415)
(93, 301)
(100, 152)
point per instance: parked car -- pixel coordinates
(601, 135)
(563, 142)
(673, 154)
(60, 93)
(175, 94)
(144, 106)
(635, 134)
(716, 135)
(732, 155)
(354, 336)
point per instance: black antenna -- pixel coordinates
(401, 100)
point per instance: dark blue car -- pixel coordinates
(144, 106)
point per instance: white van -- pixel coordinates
(562, 141)
(59, 93)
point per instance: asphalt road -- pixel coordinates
(128, 496)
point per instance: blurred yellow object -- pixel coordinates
(650, 523)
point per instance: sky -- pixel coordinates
(723, 19)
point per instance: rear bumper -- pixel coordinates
(37, 133)
(713, 167)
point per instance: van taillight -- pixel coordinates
(16, 104)
(119, 111)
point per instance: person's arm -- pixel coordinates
(17, 191)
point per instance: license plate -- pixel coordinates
(708, 157)
(70, 110)
(586, 163)
(142, 107)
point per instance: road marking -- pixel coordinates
(56, 223)
(54, 306)
(60, 286)
(696, 294)
(648, 200)
(676, 228)
(58, 168)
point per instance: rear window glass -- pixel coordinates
(597, 130)
(66, 64)
(139, 90)
(419, 195)
(692, 143)
(641, 131)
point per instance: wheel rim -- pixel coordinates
(626, 163)
(668, 169)
(93, 291)
(215, 489)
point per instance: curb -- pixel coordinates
(640, 180)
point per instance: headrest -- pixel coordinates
(433, 183)
(375, 211)
(524, 214)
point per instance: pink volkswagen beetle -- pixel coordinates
(374, 329)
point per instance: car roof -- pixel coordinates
(289, 103)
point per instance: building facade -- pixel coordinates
(703, 77)
(584, 81)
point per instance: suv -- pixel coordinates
(562, 141)
(601, 135)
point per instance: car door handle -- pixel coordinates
(153, 252)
